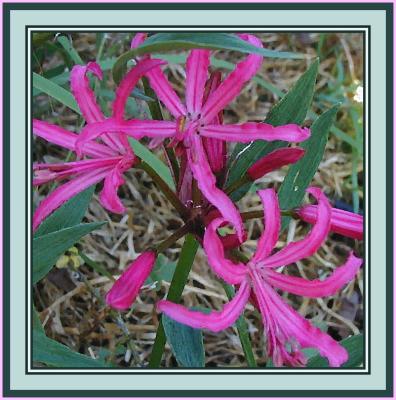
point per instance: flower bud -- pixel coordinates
(342, 222)
(126, 288)
(274, 160)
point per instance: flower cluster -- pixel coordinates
(198, 137)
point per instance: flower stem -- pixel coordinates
(179, 280)
(243, 331)
(259, 214)
(168, 192)
(173, 238)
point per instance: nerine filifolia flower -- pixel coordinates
(125, 290)
(107, 160)
(342, 222)
(287, 332)
(195, 120)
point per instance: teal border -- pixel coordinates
(7, 8)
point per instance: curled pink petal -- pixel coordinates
(342, 222)
(233, 83)
(274, 160)
(164, 91)
(197, 65)
(129, 82)
(125, 290)
(85, 97)
(284, 326)
(134, 128)
(227, 270)
(216, 150)
(316, 288)
(138, 39)
(215, 321)
(108, 196)
(250, 131)
(272, 221)
(48, 172)
(207, 184)
(65, 192)
(62, 137)
(310, 244)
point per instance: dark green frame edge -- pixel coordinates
(387, 7)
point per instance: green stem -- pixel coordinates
(243, 331)
(168, 192)
(179, 280)
(173, 238)
(260, 214)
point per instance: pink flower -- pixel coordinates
(195, 121)
(286, 331)
(108, 160)
(342, 222)
(125, 290)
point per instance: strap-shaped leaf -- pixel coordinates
(292, 108)
(299, 176)
(186, 343)
(189, 40)
(69, 214)
(48, 248)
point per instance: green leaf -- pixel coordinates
(153, 161)
(176, 287)
(70, 50)
(54, 354)
(69, 214)
(57, 92)
(355, 347)
(48, 248)
(188, 40)
(300, 174)
(292, 108)
(186, 343)
(163, 270)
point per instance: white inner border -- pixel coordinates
(366, 217)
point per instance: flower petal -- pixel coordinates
(138, 39)
(85, 97)
(134, 128)
(288, 332)
(272, 223)
(65, 192)
(316, 288)
(164, 91)
(274, 160)
(215, 321)
(125, 290)
(62, 137)
(310, 244)
(249, 131)
(197, 65)
(207, 184)
(129, 82)
(48, 172)
(108, 196)
(342, 222)
(233, 83)
(216, 150)
(227, 270)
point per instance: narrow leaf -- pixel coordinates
(48, 248)
(186, 343)
(57, 92)
(299, 176)
(187, 40)
(292, 108)
(70, 50)
(69, 214)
